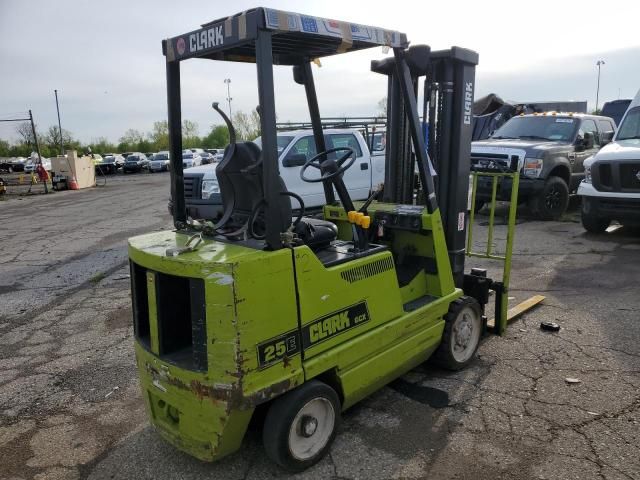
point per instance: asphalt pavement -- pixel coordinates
(535, 404)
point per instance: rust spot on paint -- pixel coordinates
(231, 395)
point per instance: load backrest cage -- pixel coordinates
(265, 37)
(501, 288)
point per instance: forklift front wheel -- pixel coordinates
(301, 425)
(461, 336)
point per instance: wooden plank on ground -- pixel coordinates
(519, 309)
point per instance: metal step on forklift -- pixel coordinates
(294, 320)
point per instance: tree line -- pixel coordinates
(247, 127)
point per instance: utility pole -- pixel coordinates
(59, 125)
(228, 82)
(35, 139)
(599, 63)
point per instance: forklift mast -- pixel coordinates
(447, 115)
(449, 89)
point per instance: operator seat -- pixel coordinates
(240, 180)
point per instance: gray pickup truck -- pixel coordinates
(549, 149)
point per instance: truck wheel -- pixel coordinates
(552, 201)
(461, 336)
(594, 224)
(301, 425)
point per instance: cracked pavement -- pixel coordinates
(70, 405)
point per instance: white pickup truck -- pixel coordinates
(202, 192)
(611, 186)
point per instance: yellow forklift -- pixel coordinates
(272, 314)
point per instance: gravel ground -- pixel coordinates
(70, 404)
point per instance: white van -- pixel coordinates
(611, 187)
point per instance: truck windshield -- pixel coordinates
(550, 128)
(630, 127)
(283, 141)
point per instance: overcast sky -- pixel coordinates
(105, 57)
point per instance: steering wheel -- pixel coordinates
(315, 163)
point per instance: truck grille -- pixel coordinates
(193, 186)
(617, 176)
(179, 316)
(630, 176)
(494, 161)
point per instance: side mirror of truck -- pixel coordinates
(588, 140)
(606, 138)
(294, 160)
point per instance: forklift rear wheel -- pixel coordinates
(461, 337)
(301, 425)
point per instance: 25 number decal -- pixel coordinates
(276, 349)
(273, 352)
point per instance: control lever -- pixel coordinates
(371, 198)
(360, 224)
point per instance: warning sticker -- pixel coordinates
(460, 221)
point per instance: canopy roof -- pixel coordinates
(297, 38)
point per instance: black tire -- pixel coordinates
(446, 355)
(593, 224)
(285, 410)
(552, 201)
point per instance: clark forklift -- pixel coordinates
(294, 320)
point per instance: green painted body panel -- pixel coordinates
(351, 321)
(323, 291)
(369, 361)
(250, 297)
(429, 242)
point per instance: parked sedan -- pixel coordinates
(207, 158)
(107, 165)
(190, 159)
(135, 162)
(118, 159)
(159, 162)
(32, 162)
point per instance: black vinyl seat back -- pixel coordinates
(240, 179)
(241, 188)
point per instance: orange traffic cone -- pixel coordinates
(73, 184)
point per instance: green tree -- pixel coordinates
(159, 135)
(143, 146)
(5, 148)
(131, 137)
(102, 145)
(25, 132)
(190, 138)
(218, 137)
(247, 126)
(52, 139)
